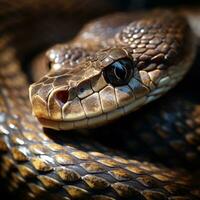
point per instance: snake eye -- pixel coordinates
(119, 72)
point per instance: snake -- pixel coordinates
(96, 83)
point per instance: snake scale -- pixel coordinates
(130, 59)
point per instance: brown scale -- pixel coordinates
(55, 166)
(154, 43)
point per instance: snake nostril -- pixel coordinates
(62, 96)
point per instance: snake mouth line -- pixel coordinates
(97, 120)
(104, 118)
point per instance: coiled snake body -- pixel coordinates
(114, 66)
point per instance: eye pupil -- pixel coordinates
(119, 72)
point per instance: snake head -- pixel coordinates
(88, 86)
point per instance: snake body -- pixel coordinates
(68, 165)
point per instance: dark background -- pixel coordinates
(146, 4)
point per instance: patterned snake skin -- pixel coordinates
(47, 164)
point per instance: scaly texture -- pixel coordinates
(58, 166)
